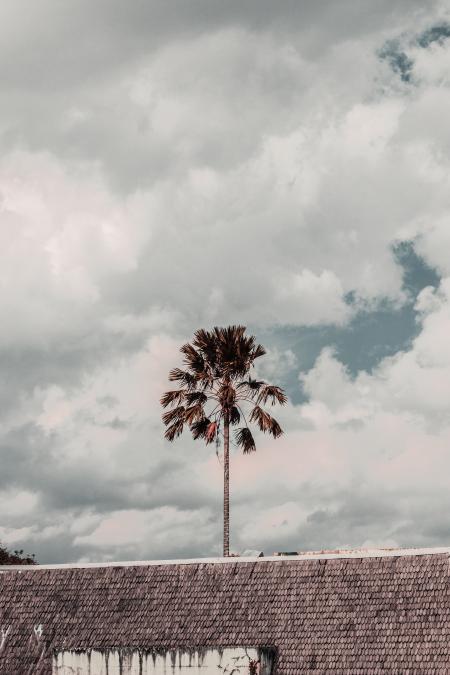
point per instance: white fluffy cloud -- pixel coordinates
(281, 191)
(362, 448)
(365, 461)
(412, 386)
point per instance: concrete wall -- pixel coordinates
(234, 660)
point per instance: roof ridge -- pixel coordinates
(301, 556)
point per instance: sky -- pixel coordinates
(167, 166)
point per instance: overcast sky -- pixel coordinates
(167, 166)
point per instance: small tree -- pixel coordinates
(216, 392)
(15, 558)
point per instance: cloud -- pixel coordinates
(363, 462)
(168, 530)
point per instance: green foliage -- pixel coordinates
(15, 558)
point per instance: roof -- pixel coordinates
(341, 612)
(301, 555)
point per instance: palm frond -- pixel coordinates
(171, 397)
(205, 429)
(235, 415)
(204, 341)
(174, 414)
(211, 432)
(244, 439)
(176, 429)
(199, 428)
(194, 413)
(272, 392)
(265, 421)
(233, 350)
(178, 375)
(257, 352)
(251, 387)
(255, 384)
(192, 358)
(195, 397)
(224, 351)
(206, 379)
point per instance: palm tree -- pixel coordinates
(216, 391)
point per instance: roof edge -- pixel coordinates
(321, 555)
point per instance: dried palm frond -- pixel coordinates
(206, 379)
(235, 416)
(205, 342)
(270, 391)
(252, 385)
(176, 429)
(244, 439)
(174, 414)
(200, 428)
(171, 397)
(258, 352)
(194, 413)
(266, 422)
(176, 374)
(211, 432)
(195, 397)
(192, 358)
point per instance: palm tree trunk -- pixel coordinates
(226, 485)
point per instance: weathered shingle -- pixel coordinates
(362, 615)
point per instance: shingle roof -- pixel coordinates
(374, 613)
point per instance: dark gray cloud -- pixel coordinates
(66, 74)
(35, 461)
(30, 366)
(54, 45)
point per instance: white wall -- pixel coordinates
(126, 662)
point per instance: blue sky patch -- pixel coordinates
(368, 338)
